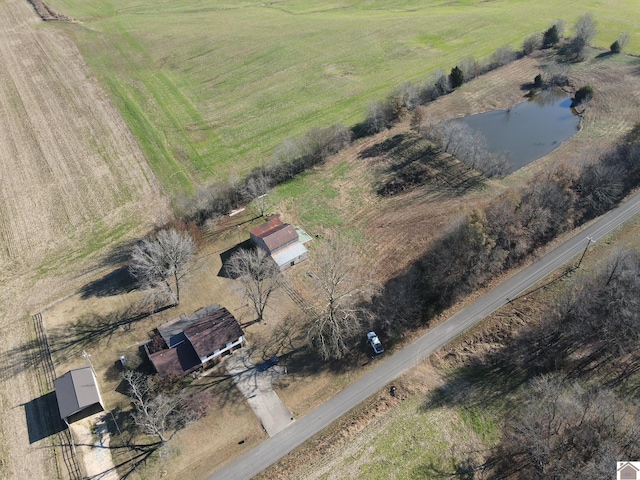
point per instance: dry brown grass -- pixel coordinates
(71, 172)
(72, 181)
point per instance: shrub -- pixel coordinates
(471, 68)
(502, 56)
(583, 95)
(537, 82)
(556, 76)
(551, 37)
(615, 47)
(456, 77)
(618, 45)
(441, 84)
(585, 29)
(381, 115)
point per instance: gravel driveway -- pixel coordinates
(257, 388)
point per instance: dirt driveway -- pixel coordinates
(256, 386)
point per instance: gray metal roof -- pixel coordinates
(289, 253)
(76, 390)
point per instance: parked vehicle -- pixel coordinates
(269, 363)
(374, 341)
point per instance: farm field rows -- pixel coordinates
(211, 88)
(72, 182)
(70, 171)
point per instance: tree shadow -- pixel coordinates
(21, 358)
(527, 87)
(114, 283)
(413, 161)
(227, 254)
(384, 147)
(94, 327)
(360, 130)
(604, 55)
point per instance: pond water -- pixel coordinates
(529, 130)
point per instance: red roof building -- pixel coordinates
(280, 241)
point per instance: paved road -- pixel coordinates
(276, 447)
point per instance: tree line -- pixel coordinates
(512, 226)
(580, 366)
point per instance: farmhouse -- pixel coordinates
(280, 241)
(196, 341)
(77, 394)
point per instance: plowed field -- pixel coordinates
(72, 180)
(68, 165)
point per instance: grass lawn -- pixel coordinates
(210, 88)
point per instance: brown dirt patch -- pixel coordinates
(46, 13)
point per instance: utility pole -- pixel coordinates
(589, 241)
(88, 357)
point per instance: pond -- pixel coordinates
(529, 130)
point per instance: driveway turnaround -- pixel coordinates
(274, 448)
(256, 386)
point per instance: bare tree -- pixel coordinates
(600, 187)
(556, 75)
(585, 29)
(380, 116)
(469, 147)
(259, 277)
(502, 56)
(441, 84)
(159, 263)
(341, 288)
(561, 26)
(155, 413)
(532, 43)
(471, 68)
(566, 431)
(256, 190)
(605, 311)
(623, 39)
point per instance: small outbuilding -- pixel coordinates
(280, 241)
(77, 394)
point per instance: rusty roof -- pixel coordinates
(268, 227)
(212, 332)
(179, 360)
(275, 234)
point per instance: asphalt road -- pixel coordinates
(271, 450)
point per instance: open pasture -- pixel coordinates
(210, 88)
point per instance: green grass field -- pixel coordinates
(210, 88)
